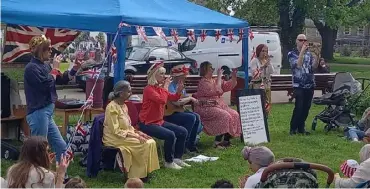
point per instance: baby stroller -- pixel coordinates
(338, 111)
(293, 173)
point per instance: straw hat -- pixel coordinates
(154, 68)
(349, 167)
(179, 70)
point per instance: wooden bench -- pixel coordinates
(283, 82)
(138, 82)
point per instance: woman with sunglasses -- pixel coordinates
(262, 70)
(40, 92)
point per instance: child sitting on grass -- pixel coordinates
(75, 182)
(134, 183)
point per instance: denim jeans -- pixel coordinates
(173, 135)
(190, 121)
(41, 123)
(355, 133)
(303, 99)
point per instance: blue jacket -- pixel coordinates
(95, 146)
(39, 85)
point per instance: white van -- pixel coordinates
(222, 53)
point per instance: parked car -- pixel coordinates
(140, 58)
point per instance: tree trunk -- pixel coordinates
(291, 27)
(328, 37)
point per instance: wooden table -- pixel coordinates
(75, 111)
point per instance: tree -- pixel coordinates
(329, 15)
(291, 22)
(101, 39)
(84, 36)
(247, 10)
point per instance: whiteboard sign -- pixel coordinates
(252, 119)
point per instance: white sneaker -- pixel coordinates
(181, 163)
(172, 165)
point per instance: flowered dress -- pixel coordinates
(217, 119)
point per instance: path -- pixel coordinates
(277, 96)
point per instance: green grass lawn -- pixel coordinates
(350, 59)
(18, 73)
(328, 149)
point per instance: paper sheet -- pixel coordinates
(202, 158)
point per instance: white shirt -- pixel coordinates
(254, 179)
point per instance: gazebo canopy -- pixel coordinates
(105, 15)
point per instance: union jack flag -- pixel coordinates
(230, 33)
(89, 102)
(141, 32)
(175, 35)
(191, 35)
(80, 129)
(69, 153)
(241, 33)
(94, 73)
(203, 35)
(16, 47)
(217, 35)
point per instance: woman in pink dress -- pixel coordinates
(218, 119)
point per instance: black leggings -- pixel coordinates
(226, 136)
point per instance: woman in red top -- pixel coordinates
(155, 96)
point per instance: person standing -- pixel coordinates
(40, 92)
(301, 61)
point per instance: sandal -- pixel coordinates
(225, 143)
(218, 145)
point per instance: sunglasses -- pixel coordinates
(302, 40)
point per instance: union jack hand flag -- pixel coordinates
(94, 73)
(16, 47)
(80, 129)
(89, 102)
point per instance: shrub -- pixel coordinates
(345, 51)
(362, 103)
(365, 51)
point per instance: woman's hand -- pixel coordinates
(194, 100)
(166, 83)
(220, 72)
(51, 157)
(234, 73)
(62, 165)
(180, 87)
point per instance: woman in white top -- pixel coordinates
(258, 158)
(362, 173)
(33, 167)
(262, 70)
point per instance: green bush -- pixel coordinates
(365, 52)
(345, 51)
(360, 103)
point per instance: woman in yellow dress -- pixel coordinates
(138, 149)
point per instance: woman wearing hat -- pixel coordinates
(40, 92)
(138, 149)
(155, 97)
(259, 158)
(360, 175)
(175, 111)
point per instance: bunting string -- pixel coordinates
(89, 102)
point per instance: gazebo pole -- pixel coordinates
(119, 67)
(245, 58)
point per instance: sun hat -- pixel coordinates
(349, 167)
(179, 70)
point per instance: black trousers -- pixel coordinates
(303, 99)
